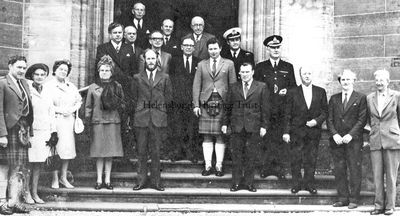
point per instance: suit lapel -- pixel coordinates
(313, 95)
(253, 87)
(113, 53)
(375, 102)
(157, 78)
(208, 62)
(12, 86)
(219, 66)
(240, 89)
(388, 99)
(144, 77)
(353, 97)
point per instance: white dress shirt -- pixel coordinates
(115, 45)
(348, 95)
(273, 61)
(148, 74)
(236, 52)
(307, 92)
(248, 87)
(137, 22)
(216, 63)
(381, 101)
(190, 61)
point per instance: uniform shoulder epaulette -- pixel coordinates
(2, 77)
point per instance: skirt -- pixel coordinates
(106, 141)
(66, 137)
(211, 124)
(16, 154)
(39, 151)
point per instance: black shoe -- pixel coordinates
(340, 204)
(98, 186)
(20, 208)
(5, 210)
(311, 189)
(159, 187)
(295, 189)
(388, 211)
(206, 172)
(108, 186)
(251, 188)
(219, 172)
(377, 212)
(234, 188)
(280, 175)
(138, 187)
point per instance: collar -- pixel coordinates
(309, 87)
(195, 36)
(14, 80)
(237, 51)
(184, 57)
(115, 44)
(272, 61)
(249, 82)
(148, 73)
(218, 60)
(383, 94)
(348, 93)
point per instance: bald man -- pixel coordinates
(199, 37)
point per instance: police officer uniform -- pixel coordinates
(237, 56)
(278, 75)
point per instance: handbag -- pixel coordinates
(78, 124)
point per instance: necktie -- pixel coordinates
(345, 101)
(246, 89)
(197, 38)
(25, 109)
(275, 65)
(166, 40)
(234, 54)
(214, 67)
(187, 64)
(158, 59)
(117, 48)
(151, 78)
(138, 23)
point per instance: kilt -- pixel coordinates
(16, 154)
(211, 124)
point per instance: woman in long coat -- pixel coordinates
(66, 101)
(43, 125)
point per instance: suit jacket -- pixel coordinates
(11, 104)
(282, 77)
(251, 113)
(137, 52)
(182, 81)
(165, 62)
(204, 82)
(151, 102)
(143, 33)
(385, 131)
(297, 113)
(124, 61)
(200, 47)
(243, 56)
(172, 46)
(350, 120)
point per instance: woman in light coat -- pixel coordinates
(43, 125)
(66, 101)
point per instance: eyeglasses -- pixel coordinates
(274, 47)
(159, 39)
(198, 25)
(188, 45)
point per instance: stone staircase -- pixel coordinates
(185, 185)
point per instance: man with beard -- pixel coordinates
(248, 116)
(151, 93)
(163, 58)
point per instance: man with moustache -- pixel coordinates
(171, 43)
(121, 54)
(151, 93)
(235, 53)
(279, 77)
(305, 110)
(130, 36)
(248, 116)
(16, 117)
(200, 38)
(210, 88)
(184, 136)
(347, 117)
(163, 58)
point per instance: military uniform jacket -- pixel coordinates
(276, 79)
(243, 56)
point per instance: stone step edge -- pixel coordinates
(194, 207)
(212, 192)
(191, 176)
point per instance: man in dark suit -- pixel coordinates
(143, 26)
(347, 117)
(200, 38)
(130, 36)
(163, 58)
(235, 52)
(305, 110)
(151, 92)
(16, 115)
(248, 116)
(210, 87)
(279, 77)
(171, 43)
(121, 53)
(184, 136)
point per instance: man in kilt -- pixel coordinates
(210, 88)
(16, 117)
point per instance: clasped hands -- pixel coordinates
(339, 140)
